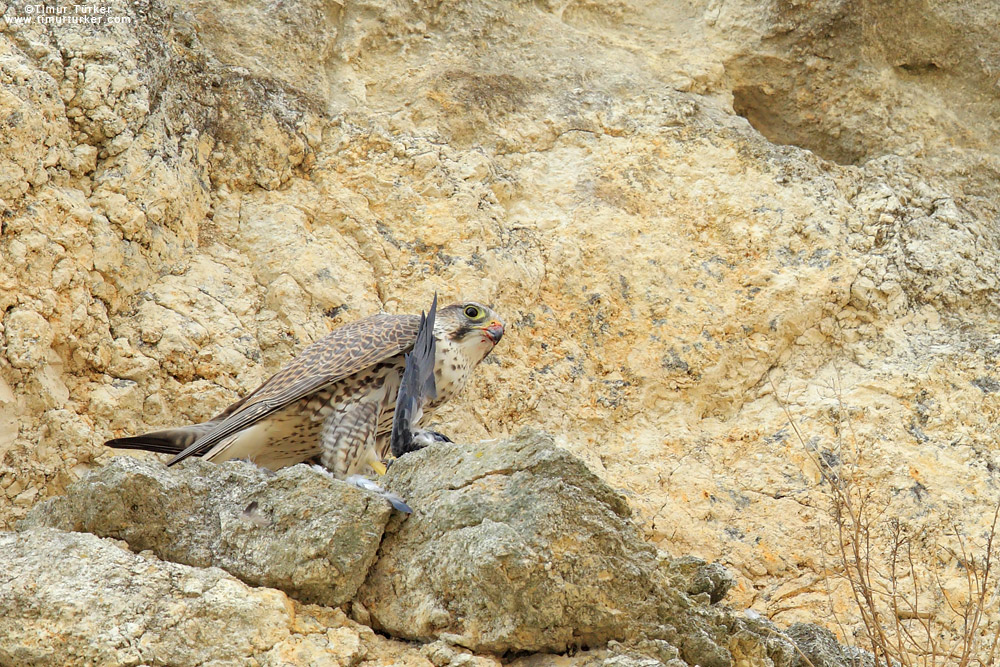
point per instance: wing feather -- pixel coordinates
(417, 387)
(341, 353)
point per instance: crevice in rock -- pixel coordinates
(776, 115)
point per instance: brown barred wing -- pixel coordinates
(340, 354)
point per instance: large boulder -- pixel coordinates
(516, 546)
(76, 600)
(297, 530)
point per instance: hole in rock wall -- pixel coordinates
(775, 114)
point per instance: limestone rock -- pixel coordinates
(517, 546)
(297, 530)
(73, 599)
(513, 547)
(671, 204)
(694, 576)
(28, 338)
(646, 654)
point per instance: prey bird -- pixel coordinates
(334, 403)
(417, 389)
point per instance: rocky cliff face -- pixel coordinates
(672, 204)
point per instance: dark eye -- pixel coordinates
(473, 312)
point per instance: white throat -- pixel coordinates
(454, 363)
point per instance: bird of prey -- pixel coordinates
(334, 403)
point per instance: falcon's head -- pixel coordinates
(474, 328)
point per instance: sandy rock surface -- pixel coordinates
(672, 205)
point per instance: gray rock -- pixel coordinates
(75, 599)
(510, 547)
(297, 530)
(694, 576)
(516, 546)
(641, 654)
(513, 546)
(820, 648)
(615, 655)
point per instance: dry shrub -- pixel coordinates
(896, 571)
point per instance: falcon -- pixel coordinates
(334, 403)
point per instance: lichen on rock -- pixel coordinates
(512, 547)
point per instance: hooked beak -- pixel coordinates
(494, 330)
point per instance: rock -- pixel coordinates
(519, 547)
(516, 548)
(694, 576)
(73, 599)
(821, 649)
(655, 653)
(443, 654)
(297, 530)
(643, 654)
(28, 338)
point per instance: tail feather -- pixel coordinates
(170, 441)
